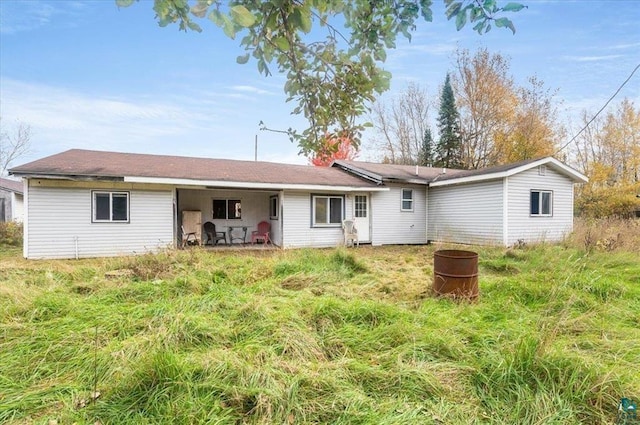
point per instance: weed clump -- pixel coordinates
(11, 233)
(605, 235)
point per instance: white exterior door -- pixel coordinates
(361, 216)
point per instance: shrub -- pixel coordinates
(11, 233)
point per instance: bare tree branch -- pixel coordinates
(14, 143)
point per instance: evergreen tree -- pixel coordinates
(448, 151)
(426, 156)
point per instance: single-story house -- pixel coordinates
(83, 203)
(11, 200)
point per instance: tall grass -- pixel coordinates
(319, 336)
(606, 234)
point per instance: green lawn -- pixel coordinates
(318, 336)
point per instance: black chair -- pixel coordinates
(212, 235)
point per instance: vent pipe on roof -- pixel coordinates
(444, 170)
(416, 169)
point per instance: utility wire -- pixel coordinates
(601, 109)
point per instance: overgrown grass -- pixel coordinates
(319, 336)
(606, 234)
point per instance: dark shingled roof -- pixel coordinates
(429, 175)
(387, 172)
(488, 170)
(11, 185)
(87, 164)
(80, 163)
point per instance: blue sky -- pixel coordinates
(85, 74)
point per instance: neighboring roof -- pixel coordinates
(11, 185)
(380, 173)
(143, 168)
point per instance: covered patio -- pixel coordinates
(235, 214)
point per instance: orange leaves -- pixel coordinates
(335, 147)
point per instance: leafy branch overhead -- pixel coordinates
(331, 75)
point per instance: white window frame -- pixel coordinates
(237, 210)
(111, 194)
(274, 207)
(403, 199)
(328, 198)
(360, 206)
(540, 203)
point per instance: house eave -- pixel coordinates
(67, 177)
(222, 184)
(408, 181)
(470, 179)
(568, 171)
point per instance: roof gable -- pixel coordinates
(502, 171)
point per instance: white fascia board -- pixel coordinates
(251, 185)
(576, 175)
(410, 181)
(470, 179)
(568, 171)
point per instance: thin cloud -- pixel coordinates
(624, 46)
(16, 17)
(62, 119)
(250, 89)
(59, 108)
(592, 58)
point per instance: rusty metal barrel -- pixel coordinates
(455, 273)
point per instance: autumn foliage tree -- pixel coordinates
(336, 147)
(608, 152)
(533, 127)
(485, 97)
(502, 122)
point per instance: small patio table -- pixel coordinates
(239, 230)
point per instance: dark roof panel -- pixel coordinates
(87, 163)
(397, 172)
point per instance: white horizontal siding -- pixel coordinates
(538, 229)
(297, 231)
(391, 225)
(468, 213)
(60, 218)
